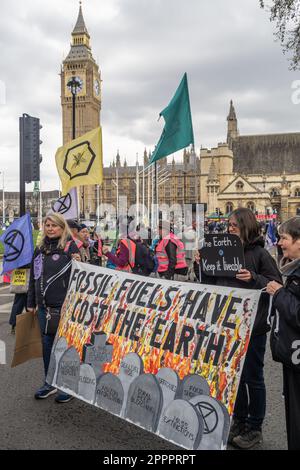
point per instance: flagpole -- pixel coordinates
(98, 203)
(40, 206)
(148, 194)
(137, 189)
(156, 192)
(143, 209)
(117, 176)
(78, 205)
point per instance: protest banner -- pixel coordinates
(164, 355)
(222, 255)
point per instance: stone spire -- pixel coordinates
(232, 126)
(118, 160)
(185, 157)
(231, 115)
(80, 45)
(212, 186)
(212, 174)
(80, 27)
(146, 159)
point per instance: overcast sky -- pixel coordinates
(143, 47)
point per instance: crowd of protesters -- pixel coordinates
(167, 256)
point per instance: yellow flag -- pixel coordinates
(79, 163)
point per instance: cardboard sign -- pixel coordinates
(144, 349)
(222, 255)
(19, 277)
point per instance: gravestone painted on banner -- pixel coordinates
(59, 348)
(68, 370)
(213, 422)
(87, 383)
(222, 255)
(131, 366)
(144, 402)
(169, 381)
(181, 423)
(191, 386)
(97, 353)
(110, 393)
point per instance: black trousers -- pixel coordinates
(19, 305)
(250, 405)
(291, 389)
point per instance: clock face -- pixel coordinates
(77, 84)
(97, 87)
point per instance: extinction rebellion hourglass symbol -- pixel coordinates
(15, 240)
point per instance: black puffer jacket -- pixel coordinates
(285, 336)
(53, 260)
(263, 269)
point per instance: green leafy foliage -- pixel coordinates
(286, 15)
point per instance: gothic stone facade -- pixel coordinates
(261, 172)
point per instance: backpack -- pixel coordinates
(144, 260)
(110, 264)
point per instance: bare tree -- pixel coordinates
(286, 15)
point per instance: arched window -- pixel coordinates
(251, 206)
(239, 186)
(274, 192)
(229, 207)
(297, 192)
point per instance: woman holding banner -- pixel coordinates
(285, 335)
(49, 277)
(260, 268)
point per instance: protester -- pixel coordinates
(96, 250)
(260, 268)
(75, 228)
(170, 253)
(19, 304)
(124, 258)
(285, 335)
(49, 277)
(278, 246)
(20, 298)
(84, 237)
(143, 261)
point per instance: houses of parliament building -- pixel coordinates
(261, 172)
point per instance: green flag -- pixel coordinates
(178, 130)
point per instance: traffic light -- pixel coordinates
(30, 147)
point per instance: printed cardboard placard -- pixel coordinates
(145, 349)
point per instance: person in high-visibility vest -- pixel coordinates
(124, 259)
(170, 254)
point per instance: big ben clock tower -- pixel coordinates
(81, 64)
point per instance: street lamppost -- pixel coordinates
(3, 200)
(75, 86)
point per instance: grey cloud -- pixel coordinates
(226, 47)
